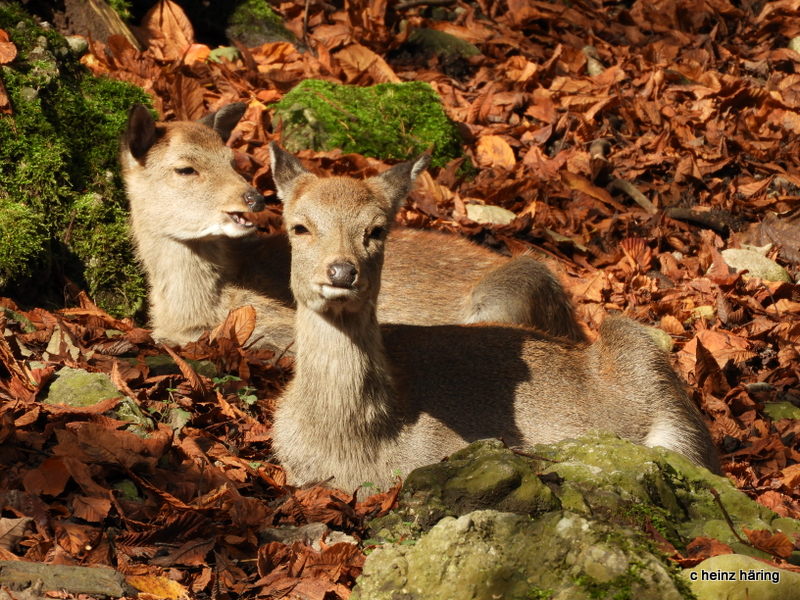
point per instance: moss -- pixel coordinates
(58, 168)
(387, 121)
(253, 22)
(122, 8)
(23, 239)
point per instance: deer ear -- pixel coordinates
(396, 183)
(225, 119)
(140, 134)
(286, 170)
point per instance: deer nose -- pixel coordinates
(254, 200)
(342, 274)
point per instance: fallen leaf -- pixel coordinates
(494, 151)
(8, 50)
(158, 586)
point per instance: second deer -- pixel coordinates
(369, 401)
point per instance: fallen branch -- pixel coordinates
(53, 578)
(720, 221)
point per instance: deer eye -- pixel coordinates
(299, 230)
(186, 171)
(376, 233)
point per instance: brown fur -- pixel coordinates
(367, 401)
(200, 264)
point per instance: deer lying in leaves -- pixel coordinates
(202, 257)
(369, 401)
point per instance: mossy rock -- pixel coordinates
(254, 22)
(61, 197)
(739, 577)
(387, 121)
(781, 410)
(485, 555)
(431, 42)
(486, 474)
(598, 477)
(80, 388)
(756, 264)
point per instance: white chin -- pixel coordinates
(330, 292)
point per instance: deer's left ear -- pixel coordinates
(225, 119)
(396, 183)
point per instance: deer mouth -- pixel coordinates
(239, 219)
(333, 293)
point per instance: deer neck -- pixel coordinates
(186, 280)
(342, 370)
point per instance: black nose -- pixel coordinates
(342, 274)
(254, 200)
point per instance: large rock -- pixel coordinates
(61, 201)
(486, 555)
(388, 120)
(614, 490)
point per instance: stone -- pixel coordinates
(755, 263)
(486, 213)
(254, 22)
(487, 554)
(431, 42)
(77, 387)
(739, 577)
(585, 507)
(781, 410)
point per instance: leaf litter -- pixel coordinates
(633, 143)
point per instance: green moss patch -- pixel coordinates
(62, 202)
(388, 121)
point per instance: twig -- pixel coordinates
(725, 514)
(637, 196)
(305, 24)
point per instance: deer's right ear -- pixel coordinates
(140, 135)
(286, 169)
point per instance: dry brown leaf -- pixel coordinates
(8, 51)
(776, 544)
(238, 325)
(12, 531)
(90, 509)
(357, 60)
(158, 586)
(187, 371)
(494, 151)
(791, 477)
(167, 31)
(581, 184)
(672, 325)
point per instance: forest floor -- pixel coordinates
(634, 142)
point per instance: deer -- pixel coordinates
(369, 401)
(203, 258)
